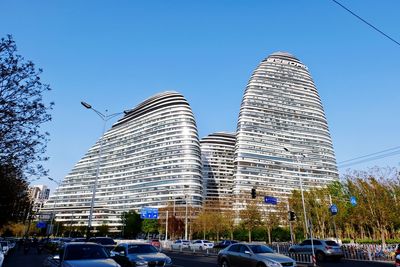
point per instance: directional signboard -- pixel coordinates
(149, 213)
(41, 225)
(333, 209)
(353, 201)
(270, 200)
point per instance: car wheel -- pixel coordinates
(320, 256)
(260, 264)
(224, 263)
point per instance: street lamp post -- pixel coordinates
(53, 215)
(104, 118)
(186, 217)
(308, 231)
(301, 188)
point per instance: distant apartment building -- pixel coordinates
(217, 153)
(39, 194)
(282, 132)
(150, 158)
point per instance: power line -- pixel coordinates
(372, 154)
(392, 153)
(366, 22)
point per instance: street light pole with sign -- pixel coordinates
(104, 118)
(53, 214)
(301, 187)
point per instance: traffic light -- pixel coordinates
(292, 216)
(253, 193)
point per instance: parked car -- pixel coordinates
(1, 257)
(5, 247)
(139, 254)
(201, 244)
(79, 254)
(225, 243)
(252, 255)
(178, 244)
(107, 242)
(397, 253)
(322, 248)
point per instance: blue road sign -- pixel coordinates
(149, 213)
(270, 200)
(333, 209)
(41, 225)
(353, 201)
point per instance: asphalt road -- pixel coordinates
(32, 259)
(190, 260)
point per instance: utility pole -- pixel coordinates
(290, 224)
(166, 227)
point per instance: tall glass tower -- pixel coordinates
(282, 131)
(150, 157)
(217, 152)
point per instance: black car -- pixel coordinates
(225, 243)
(107, 242)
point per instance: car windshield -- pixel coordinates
(141, 249)
(260, 249)
(85, 252)
(206, 241)
(331, 243)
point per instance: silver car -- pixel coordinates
(322, 248)
(252, 255)
(81, 254)
(139, 254)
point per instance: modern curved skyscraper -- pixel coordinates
(282, 131)
(150, 157)
(217, 152)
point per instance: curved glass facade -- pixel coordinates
(150, 157)
(281, 109)
(217, 152)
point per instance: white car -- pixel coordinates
(1, 257)
(201, 245)
(178, 244)
(5, 247)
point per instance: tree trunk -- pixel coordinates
(383, 238)
(249, 236)
(269, 235)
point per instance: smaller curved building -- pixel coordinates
(150, 157)
(217, 153)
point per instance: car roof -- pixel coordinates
(81, 243)
(133, 243)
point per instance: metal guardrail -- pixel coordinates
(299, 258)
(366, 252)
(369, 252)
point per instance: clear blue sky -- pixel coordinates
(115, 54)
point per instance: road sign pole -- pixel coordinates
(290, 223)
(333, 219)
(166, 227)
